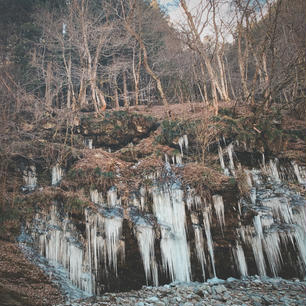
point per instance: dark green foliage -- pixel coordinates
(74, 204)
(171, 130)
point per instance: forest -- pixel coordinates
(93, 55)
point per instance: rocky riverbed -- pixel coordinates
(251, 291)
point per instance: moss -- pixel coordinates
(171, 130)
(74, 204)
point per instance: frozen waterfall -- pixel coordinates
(169, 210)
(146, 238)
(57, 174)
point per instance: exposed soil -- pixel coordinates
(22, 283)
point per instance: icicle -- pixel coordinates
(146, 237)
(220, 152)
(88, 143)
(280, 207)
(199, 244)
(300, 173)
(209, 240)
(248, 177)
(256, 244)
(112, 198)
(192, 200)
(169, 210)
(64, 29)
(219, 209)
(96, 248)
(59, 246)
(113, 228)
(30, 179)
(181, 143)
(256, 177)
(194, 218)
(240, 260)
(173, 159)
(178, 158)
(266, 221)
(142, 197)
(224, 141)
(247, 235)
(263, 160)
(273, 171)
(271, 244)
(299, 219)
(166, 158)
(253, 195)
(185, 137)
(230, 151)
(57, 174)
(258, 226)
(96, 197)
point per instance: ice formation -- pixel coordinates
(57, 174)
(96, 197)
(183, 142)
(220, 152)
(300, 173)
(169, 210)
(112, 198)
(273, 171)
(146, 237)
(230, 152)
(88, 143)
(177, 159)
(219, 209)
(113, 228)
(199, 244)
(278, 221)
(240, 260)
(29, 178)
(206, 221)
(60, 246)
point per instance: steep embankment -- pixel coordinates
(135, 198)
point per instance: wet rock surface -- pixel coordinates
(116, 129)
(251, 291)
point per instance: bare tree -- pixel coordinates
(129, 17)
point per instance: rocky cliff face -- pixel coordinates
(148, 213)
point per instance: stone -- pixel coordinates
(152, 299)
(219, 289)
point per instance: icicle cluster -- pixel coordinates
(169, 210)
(183, 142)
(88, 143)
(60, 246)
(57, 174)
(230, 153)
(29, 178)
(219, 209)
(96, 197)
(146, 237)
(280, 221)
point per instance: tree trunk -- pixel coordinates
(125, 97)
(145, 60)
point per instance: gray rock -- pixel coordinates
(152, 299)
(256, 299)
(219, 289)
